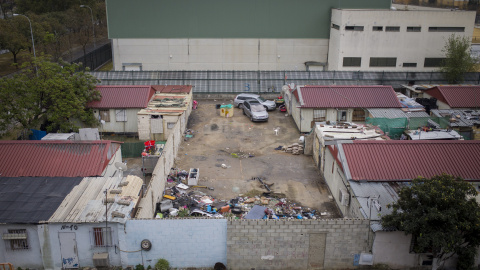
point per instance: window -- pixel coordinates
(319, 115)
(170, 125)
(18, 239)
(409, 64)
(352, 61)
(335, 26)
(433, 62)
(342, 115)
(446, 29)
(383, 61)
(102, 237)
(358, 115)
(104, 115)
(354, 28)
(377, 28)
(121, 115)
(392, 29)
(414, 29)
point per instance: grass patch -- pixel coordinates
(6, 62)
(107, 67)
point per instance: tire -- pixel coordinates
(251, 118)
(240, 105)
(244, 112)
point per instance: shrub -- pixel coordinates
(162, 264)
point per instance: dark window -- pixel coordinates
(18, 239)
(358, 115)
(446, 29)
(433, 62)
(335, 26)
(392, 29)
(377, 28)
(409, 64)
(104, 115)
(342, 115)
(102, 237)
(383, 61)
(352, 61)
(414, 29)
(354, 28)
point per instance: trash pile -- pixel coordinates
(182, 200)
(188, 134)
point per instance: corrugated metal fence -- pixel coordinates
(270, 81)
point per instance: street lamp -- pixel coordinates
(31, 33)
(93, 24)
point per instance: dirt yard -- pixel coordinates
(247, 150)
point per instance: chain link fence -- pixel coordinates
(270, 81)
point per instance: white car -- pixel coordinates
(268, 104)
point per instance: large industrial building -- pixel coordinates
(365, 35)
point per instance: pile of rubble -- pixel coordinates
(295, 149)
(181, 200)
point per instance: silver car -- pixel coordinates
(255, 110)
(268, 104)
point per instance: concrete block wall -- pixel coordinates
(288, 244)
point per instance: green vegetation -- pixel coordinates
(458, 60)
(162, 264)
(58, 26)
(49, 94)
(442, 215)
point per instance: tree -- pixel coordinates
(49, 94)
(442, 216)
(458, 60)
(12, 37)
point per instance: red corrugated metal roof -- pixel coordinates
(123, 96)
(334, 96)
(457, 96)
(405, 160)
(55, 158)
(173, 88)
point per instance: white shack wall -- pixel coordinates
(393, 248)
(51, 246)
(111, 170)
(160, 173)
(183, 242)
(218, 54)
(25, 258)
(129, 126)
(407, 47)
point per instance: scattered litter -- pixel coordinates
(279, 147)
(182, 186)
(182, 200)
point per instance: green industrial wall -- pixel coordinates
(227, 18)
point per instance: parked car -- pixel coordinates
(255, 110)
(268, 104)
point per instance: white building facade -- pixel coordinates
(393, 40)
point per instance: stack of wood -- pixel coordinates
(295, 149)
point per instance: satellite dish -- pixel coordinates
(121, 166)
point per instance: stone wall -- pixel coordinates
(295, 244)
